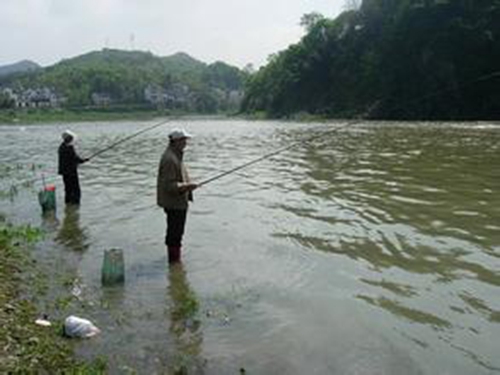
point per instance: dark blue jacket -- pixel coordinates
(68, 159)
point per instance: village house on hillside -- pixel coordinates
(176, 95)
(34, 98)
(180, 96)
(229, 99)
(101, 99)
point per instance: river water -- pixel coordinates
(373, 249)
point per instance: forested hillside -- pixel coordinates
(393, 59)
(134, 78)
(19, 67)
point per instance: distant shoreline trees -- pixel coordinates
(405, 59)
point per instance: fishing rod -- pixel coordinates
(276, 152)
(484, 77)
(50, 178)
(124, 139)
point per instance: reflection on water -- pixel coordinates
(421, 202)
(184, 323)
(414, 315)
(70, 233)
(383, 237)
(50, 222)
(112, 297)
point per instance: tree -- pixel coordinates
(6, 102)
(249, 68)
(352, 5)
(417, 62)
(309, 20)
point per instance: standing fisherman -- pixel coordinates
(68, 168)
(174, 190)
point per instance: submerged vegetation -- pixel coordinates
(404, 59)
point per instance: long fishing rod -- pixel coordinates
(372, 107)
(276, 152)
(124, 139)
(50, 178)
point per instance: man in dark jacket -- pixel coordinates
(68, 168)
(174, 190)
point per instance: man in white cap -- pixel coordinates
(174, 191)
(68, 168)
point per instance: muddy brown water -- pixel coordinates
(372, 250)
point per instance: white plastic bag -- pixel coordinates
(79, 327)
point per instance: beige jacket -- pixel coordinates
(171, 172)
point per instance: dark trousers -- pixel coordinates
(176, 221)
(72, 193)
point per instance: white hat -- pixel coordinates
(68, 134)
(179, 134)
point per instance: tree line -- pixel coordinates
(391, 59)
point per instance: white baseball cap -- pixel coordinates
(68, 134)
(179, 134)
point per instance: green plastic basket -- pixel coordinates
(113, 267)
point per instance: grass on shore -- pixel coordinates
(51, 115)
(33, 116)
(26, 347)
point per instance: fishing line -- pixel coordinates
(484, 77)
(276, 152)
(350, 123)
(124, 139)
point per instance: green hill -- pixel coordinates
(19, 67)
(402, 59)
(121, 78)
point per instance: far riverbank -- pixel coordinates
(36, 116)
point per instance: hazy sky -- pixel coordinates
(235, 31)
